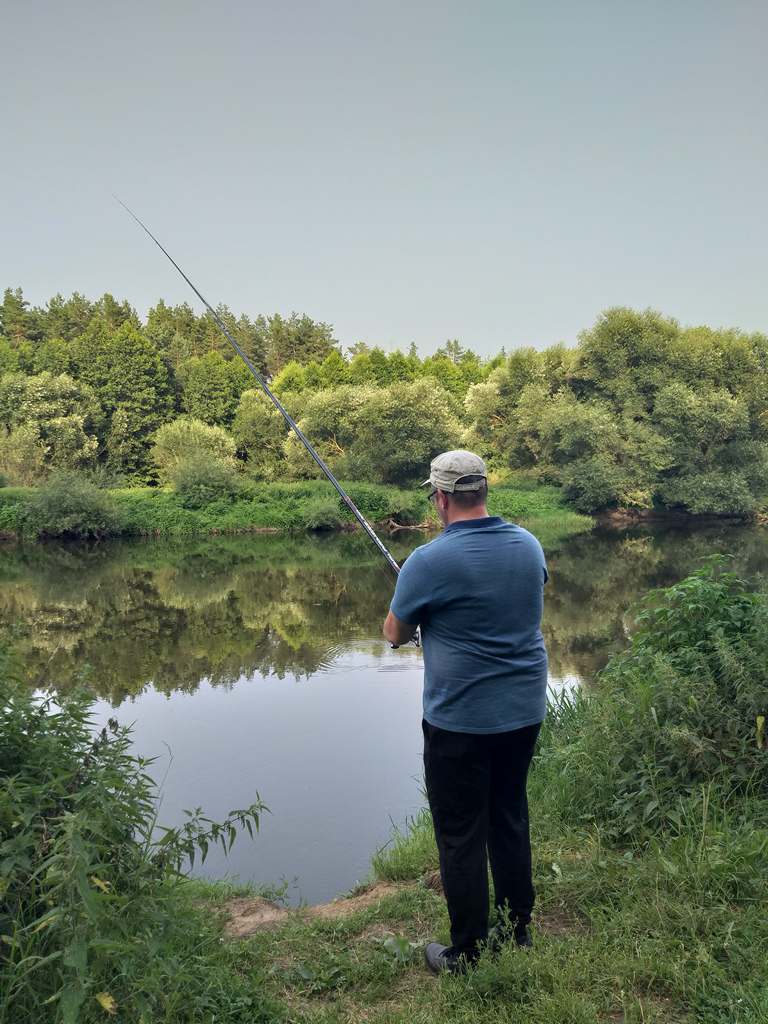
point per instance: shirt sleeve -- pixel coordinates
(411, 597)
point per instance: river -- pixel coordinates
(255, 664)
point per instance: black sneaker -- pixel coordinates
(499, 935)
(441, 958)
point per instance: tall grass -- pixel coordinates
(683, 707)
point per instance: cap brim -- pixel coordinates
(426, 483)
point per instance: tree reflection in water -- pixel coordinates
(121, 617)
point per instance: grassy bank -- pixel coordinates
(311, 505)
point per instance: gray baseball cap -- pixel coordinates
(447, 470)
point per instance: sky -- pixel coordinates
(496, 172)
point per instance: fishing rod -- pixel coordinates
(273, 399)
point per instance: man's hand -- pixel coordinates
(397, 632)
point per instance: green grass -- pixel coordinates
(147, 511)
(673, 933)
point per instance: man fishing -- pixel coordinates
(476, 593)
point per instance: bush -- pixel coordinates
(683, 708)
(184, 438)
(323, 514)
(69, 505)
(94, 912)
(593, 484)
(202, 479)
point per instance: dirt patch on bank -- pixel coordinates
(247, 915)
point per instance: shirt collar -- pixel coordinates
(469, 524)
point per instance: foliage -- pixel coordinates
(95, 917)
(385, 435)
(22, 456)
(681, 708)
(211, 387)
(69, 505)
(132, 383)
(202, 478)
(260, 432)
(323, 513)
(186, 437)
(254, 505)
(642, 414)
(47, 422)
(296, 337)
(399, 430)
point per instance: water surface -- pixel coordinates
(256, 664)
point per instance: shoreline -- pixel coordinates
(280, 508)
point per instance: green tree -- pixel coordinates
(291, 379)
(59, 413)
(329, 419)
(380, 367)
(601, 459)
(114, 314)
(131, 381)
(22, 455)
(260, 433)
(297, 338)
(399, 429)
(175, 331)
(716, 465)
(313, 376)
(447, 374)
(334, 370)
(402, 368)
(625, 358)
(21, 325)
(9, 357)
(361, 369)
(379, 434)
(250, 336)
(452, 350)
(67, 318)
(359, 348)
(211, 387)
(53, 355)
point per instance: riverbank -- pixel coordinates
(650, 832)
(260, 507)
(672, 934)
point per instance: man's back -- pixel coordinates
(477, 593)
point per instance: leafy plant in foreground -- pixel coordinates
(682, 708)
(94, 914)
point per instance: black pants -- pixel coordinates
(476, 786)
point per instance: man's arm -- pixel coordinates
(397, 632)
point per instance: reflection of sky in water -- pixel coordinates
(336, 758)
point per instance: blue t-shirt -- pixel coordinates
(477, 593)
